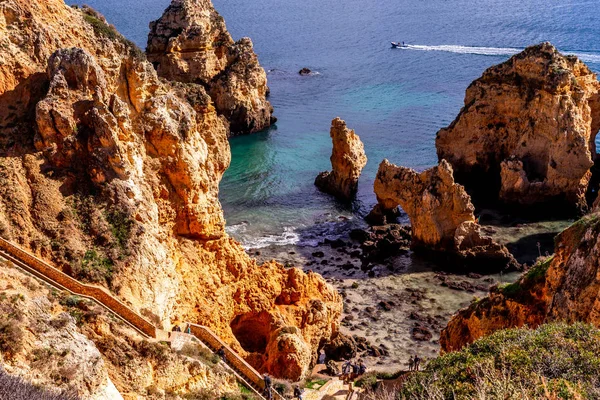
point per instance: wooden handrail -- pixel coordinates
(100, 295)
(58, 278)
(215, 343)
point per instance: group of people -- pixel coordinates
(352, 370)
(177, 328)
(414, 363)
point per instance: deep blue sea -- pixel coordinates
(395, 99)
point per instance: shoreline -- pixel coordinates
(399, 307)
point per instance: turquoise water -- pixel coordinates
(395, 99)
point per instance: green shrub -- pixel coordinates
(367, 381)
(94, 267)
(516, 363)
(102, 29)
(200, 353)
(120, 226)
(11, 337)
(156, 351)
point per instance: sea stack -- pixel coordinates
(347, 160)
(526, 134)
(190, 44)
(441, 215)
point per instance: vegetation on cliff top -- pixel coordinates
(551, 362)
(104, 29)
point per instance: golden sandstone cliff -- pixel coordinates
(441, 215)
(563, 287)
(542, 116)
(526, 132)
(112, 174)
(347, 161)
(191, 44)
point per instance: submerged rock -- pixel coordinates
(526, 134)
(347, 159)
(441, 215)
(563, 287)
(190, 44)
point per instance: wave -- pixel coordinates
(287, 237)
(303, 236)
(494, 51)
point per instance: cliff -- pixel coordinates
(190, 44)
(441, 215)
(63, 342)
(526, 134)
(112, 174)
(563, 287)
(347, 161)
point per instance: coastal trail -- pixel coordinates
(51, 275)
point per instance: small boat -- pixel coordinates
(398, 45)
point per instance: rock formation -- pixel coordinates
(347, 160)
(190, 44)
(59, 341)
(112, 174)
(441, 214)
(526, 132)
(563, 287)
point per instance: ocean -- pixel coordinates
(395, 99)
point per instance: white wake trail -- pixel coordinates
(493, 51)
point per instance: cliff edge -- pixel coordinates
(112, 174)
(526, 134)
(190, 44)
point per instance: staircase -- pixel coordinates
(58, 279)
(237, 363)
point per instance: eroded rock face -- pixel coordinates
(65, 342)
(190, 44)
(440, 212)
(112, 174)
(527, 130)
(563, 287)
(347, 160)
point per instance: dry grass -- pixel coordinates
(15, 388)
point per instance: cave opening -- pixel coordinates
(252, 331)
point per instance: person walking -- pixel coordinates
(298, 392)
(221, 353)
(417, 363)
(346, 370)
(268, 387)
(411, 364)
(362, 368)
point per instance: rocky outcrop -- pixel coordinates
(190, 44)
(347, 160)
(441, 214)
(112, 174)
(563, 287)
(527, 130)
(63, 342)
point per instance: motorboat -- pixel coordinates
(399, 45)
